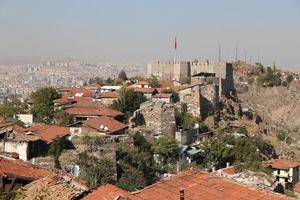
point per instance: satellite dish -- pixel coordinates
(105, 128)
(101, 127)
(75, 171)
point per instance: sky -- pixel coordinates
(144, 30)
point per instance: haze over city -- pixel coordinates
(141, 31)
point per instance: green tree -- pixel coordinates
(259, 68)
(166, 148)
(128, 101)
(289, 78)
(153, 81)
(43, 107)
(122, 75)
(55, 150)
(11, 106)
(132, 179)
(97, 80)
(95, 171)
(109, 81)
(141, 143)
(175, 95)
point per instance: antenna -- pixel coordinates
(220, 52)
(245, 57)
(236, 52)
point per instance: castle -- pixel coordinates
(219, 73)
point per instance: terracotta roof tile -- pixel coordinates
(144, 90)
(280, 164)
(109, 192)
(82, 91)
(109, 94)
(92, 111)
(142, 83)
(111, 124)
(22, 169)
(58, 186)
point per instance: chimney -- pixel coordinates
(213, 169)
(228, 164)
(181, 193)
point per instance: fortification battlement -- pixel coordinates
(204, 64)
(170, 62)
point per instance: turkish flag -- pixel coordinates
(175, 43)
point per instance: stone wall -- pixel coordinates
(209, 99)
(156, 116)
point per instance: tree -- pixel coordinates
(289, 78)
(175, 96)
(128, 101)
(55, 150)
(11, 106)
(62, 118)
(122, 75)
(166, 148)
(97, 80)
(43, 106)
(259, 68)
(153, 81)
(141, 143)
(132, 179)
(109, 81)
(95, 171)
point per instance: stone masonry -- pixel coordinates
(158, 116)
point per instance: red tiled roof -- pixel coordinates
(144, 90)
(142, 83)
(92, 111)
(83, 91)
(95, 104)
(43, 132)
(280, 164)
(83, 99)
(297, 187)
(166, 84)
(22, 169)
(229, 170)
(202, 185)
(111, 124)
(197, 185)
(58, 186)
(109, 192)
(64, 100)
(109, 94)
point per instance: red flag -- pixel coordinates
(175, 43)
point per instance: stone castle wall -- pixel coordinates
(156, 116)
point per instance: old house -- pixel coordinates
(148, 92)
(15, 174)
(189, 184)
(104, 126)
(285, 171)
(141, 84)
(33, 141)
(55, 186)
(165, 97)
(107, 98)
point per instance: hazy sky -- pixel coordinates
(144, 30)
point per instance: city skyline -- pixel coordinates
(144, 31)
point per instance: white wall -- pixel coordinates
(26, 118)
(17, 147)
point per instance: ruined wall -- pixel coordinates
(209, 99)
(157, 116)
(191, 98)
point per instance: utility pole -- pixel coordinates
(245, 57)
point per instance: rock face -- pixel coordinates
(232, 107)
(157, 116)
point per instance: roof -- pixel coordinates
(93, 111)
(111, 124)
(92, 86)
(280, 164)
(109, 192)
(163, 95)
(196, 184)
(95, 104)
(22, 169)
(144, 90)
(109, 94)
(82, 92)
(142, 83)
(58, 186)
(297, 187)
(202, 185)
(43, 132)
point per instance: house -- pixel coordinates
(33, 141)
(15, 174)
(107, 98)
(83, 113)
(285, 171)
(188, 154)
(104, 126)
(189, 184)
(58, 186)
(165, 97)
(110, 88)
(93, 87)
(141, 84)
